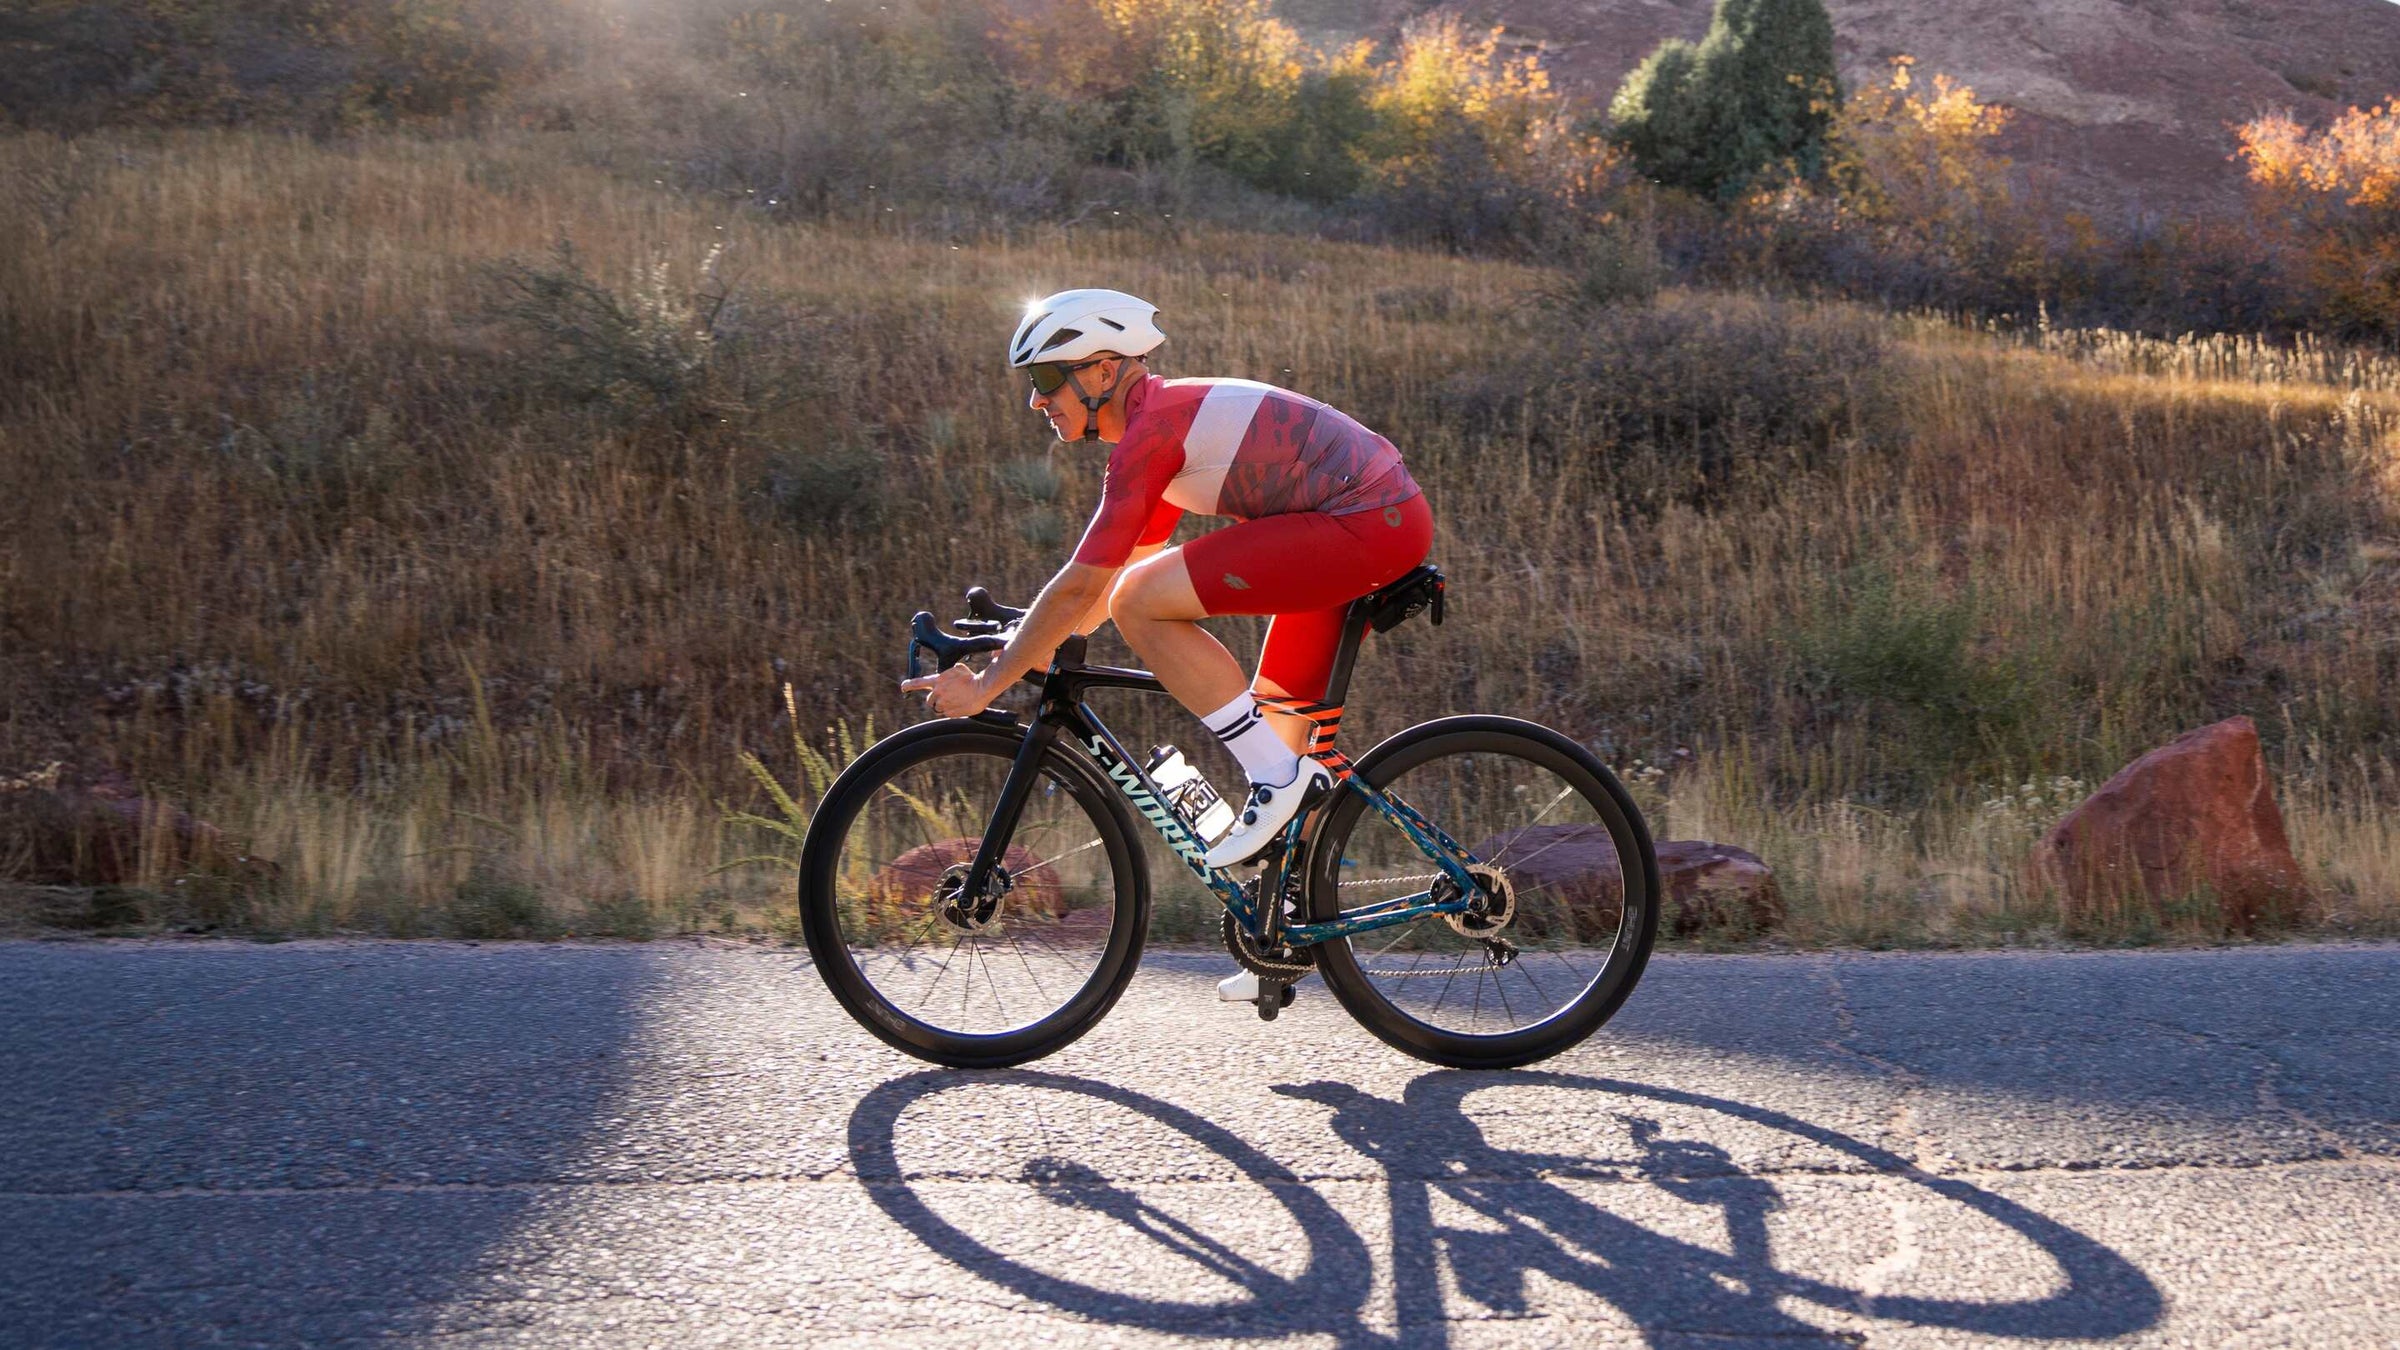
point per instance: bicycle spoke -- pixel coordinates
(1034, 945)
(1500, 987)
(1061, 857)
(937, 975)
(1530, 960)
(1020, 951)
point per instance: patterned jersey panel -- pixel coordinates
(1301, 455)
(1234, 448)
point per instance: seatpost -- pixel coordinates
(1354, 632)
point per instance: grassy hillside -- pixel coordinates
(445, 519)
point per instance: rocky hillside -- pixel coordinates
(2127, 102)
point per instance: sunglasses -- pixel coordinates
(1048, 376)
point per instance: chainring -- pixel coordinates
(1278, 963)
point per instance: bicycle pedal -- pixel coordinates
(1268, 996)
(1273, 997)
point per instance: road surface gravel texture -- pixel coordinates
(675, 1144)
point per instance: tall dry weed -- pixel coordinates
(288, 533)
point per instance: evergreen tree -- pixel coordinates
(1759, 89)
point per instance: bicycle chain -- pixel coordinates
(1237, 942)
(1453, 972)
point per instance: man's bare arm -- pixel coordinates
(1073, 594)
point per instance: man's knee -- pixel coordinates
(1149, 590)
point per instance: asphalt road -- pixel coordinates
(676, 1144)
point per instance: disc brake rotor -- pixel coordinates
(959, 914)
(1497, 893)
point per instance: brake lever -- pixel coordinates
(920, 625)
(982, 608)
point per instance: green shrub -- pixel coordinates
(1614, 261)
(1690, 398)
(490, 905)
(649, 347)
(1906, 653)
(1760, 89)
(825, 487)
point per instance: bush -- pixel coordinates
(1613, 261)
(823, 487)
(1688, 400)
(649, 348)
(491, 905)
(325, 64)
(1759, 90)
(2334, 194)
(1471, 149)
(1904, 652)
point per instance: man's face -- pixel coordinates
(1063, 406)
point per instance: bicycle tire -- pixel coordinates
(1609, 806)
(822, 923)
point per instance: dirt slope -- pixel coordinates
(2128, 101)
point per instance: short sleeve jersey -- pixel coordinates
(1233, 448)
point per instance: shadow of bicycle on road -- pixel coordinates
(1490, 1217)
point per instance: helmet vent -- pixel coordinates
(1062, 337)
(1111, 322)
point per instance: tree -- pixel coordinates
(2335, 195)
(1759, 90)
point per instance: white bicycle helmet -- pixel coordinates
(1072, 327)
(1075, 326)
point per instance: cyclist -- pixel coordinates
(1325, 513)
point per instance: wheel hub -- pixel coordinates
(1492, 908)
(962, 913)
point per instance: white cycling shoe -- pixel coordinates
(1239, 987)
(1266, 813)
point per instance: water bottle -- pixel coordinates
(1188, 794)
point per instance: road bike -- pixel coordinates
(974, 891)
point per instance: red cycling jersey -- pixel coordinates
(1325, 511)
(1233, 448)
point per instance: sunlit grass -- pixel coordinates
(293, 532)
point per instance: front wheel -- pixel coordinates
(972, 981)
(1568, 906)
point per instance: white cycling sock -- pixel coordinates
(1244, 730)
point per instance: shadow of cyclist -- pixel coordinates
(1324, 1298)
(1662, 1283)
(1527, 1221)
(1428, 1144)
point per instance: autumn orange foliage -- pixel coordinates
(2336, 194)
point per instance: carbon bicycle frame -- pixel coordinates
(1064, 714)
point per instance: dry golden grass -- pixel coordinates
(292, 529)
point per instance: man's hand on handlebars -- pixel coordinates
(957, 692)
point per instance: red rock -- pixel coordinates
(1709, 887)
(1717, 887)
(2198, 812)
(910, 879)
(59, 833)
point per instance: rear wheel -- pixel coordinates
(1567, 903)
(971, 981)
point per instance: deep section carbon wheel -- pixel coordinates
(972, 980)
(1564, 907)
